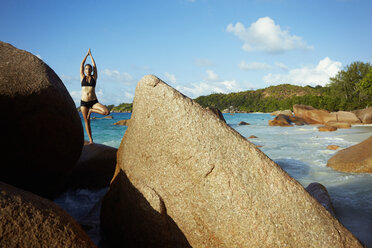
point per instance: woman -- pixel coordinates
(89, 102)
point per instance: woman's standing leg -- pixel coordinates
(86, 114)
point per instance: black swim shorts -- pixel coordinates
(88, 104)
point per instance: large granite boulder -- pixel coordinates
(311, 115)
(42, 133)
(343, 117)
(364, 115)
(95, 167)
(27, 220)
(357, 158)
(185, 178)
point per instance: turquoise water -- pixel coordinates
(299, 150)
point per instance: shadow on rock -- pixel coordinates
(139, 224)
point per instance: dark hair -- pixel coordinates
(91, 67)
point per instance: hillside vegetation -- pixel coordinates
(350, 89)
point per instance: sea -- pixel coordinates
(300, 150)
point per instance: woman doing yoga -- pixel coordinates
(89, 102)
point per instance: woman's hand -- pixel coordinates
(89, 52)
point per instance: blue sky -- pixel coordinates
(199, 47)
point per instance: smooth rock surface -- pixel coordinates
(27, 220)
(42, 133)
(185, 178)
(357, 158)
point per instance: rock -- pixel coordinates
(217, 112)
(252, 137)
(338, 124)
(185, 178)
(43, 134)
(343, 117)
(297, 120)
(310, 115)
(327, 129)
(333, 147)
(122, 122)
(281, 120)
(364, 115)
(95, 167)
(27, 220)
(356, 159)
(109, 117)
(243, 123)
(282, 112)
(320, 193)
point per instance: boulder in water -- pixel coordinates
(243, 123)
(327, 129)
(281, 120)
(320, 193)
(185, 178)
(27, 220)
(43, 135)
(357, 158)
(333, 147)
(122, 122)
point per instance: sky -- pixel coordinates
(199, 47)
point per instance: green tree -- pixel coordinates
(365, 88)
(345, 85)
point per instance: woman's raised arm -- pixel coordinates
(95, 75)
(82, 66)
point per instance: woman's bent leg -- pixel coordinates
(100, 109)
(86, 114)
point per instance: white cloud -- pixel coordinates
(211, 75)
(307, 75)
(170, 77)
(253, 66)
(206, 88)
(265, 35)
(116, 76)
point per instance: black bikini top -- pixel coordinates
(85, 83)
